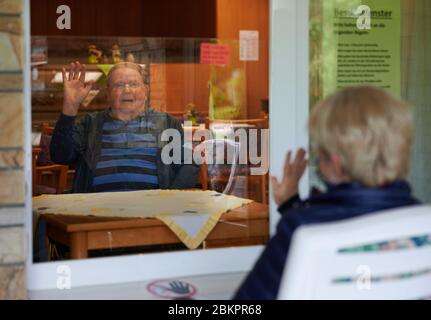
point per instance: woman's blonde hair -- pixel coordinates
(128, 65)
(369, 129)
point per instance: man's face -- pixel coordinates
(127, 92)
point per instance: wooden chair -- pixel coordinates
(58, 171)
(258, 123)
(203, 178)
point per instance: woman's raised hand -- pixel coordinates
(292, 173)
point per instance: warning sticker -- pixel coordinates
(172, 289)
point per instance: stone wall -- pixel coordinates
(12, 180)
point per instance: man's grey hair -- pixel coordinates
(130, 65)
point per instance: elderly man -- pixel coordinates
(117, 149)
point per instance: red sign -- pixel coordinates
(214, 54)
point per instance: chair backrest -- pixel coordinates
(56, 175)
(220, 154)
(250, 132)
(258, 123)
(386, 255)
(44, 158)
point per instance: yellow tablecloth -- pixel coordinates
(190, 214)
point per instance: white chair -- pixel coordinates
(386, 255)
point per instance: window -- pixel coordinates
(392, 56)
(214, 94)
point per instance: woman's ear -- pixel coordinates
(338, 169)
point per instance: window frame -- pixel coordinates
(288, 89)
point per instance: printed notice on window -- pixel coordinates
(361, 43)
(249, 45)
(216, 54)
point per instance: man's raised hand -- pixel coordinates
(75, 89)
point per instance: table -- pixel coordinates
(247, 225)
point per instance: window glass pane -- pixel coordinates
(390, 54)
(188, 171)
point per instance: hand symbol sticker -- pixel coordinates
(179, 287)
(172, 289)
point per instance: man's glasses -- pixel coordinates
(131, 85)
